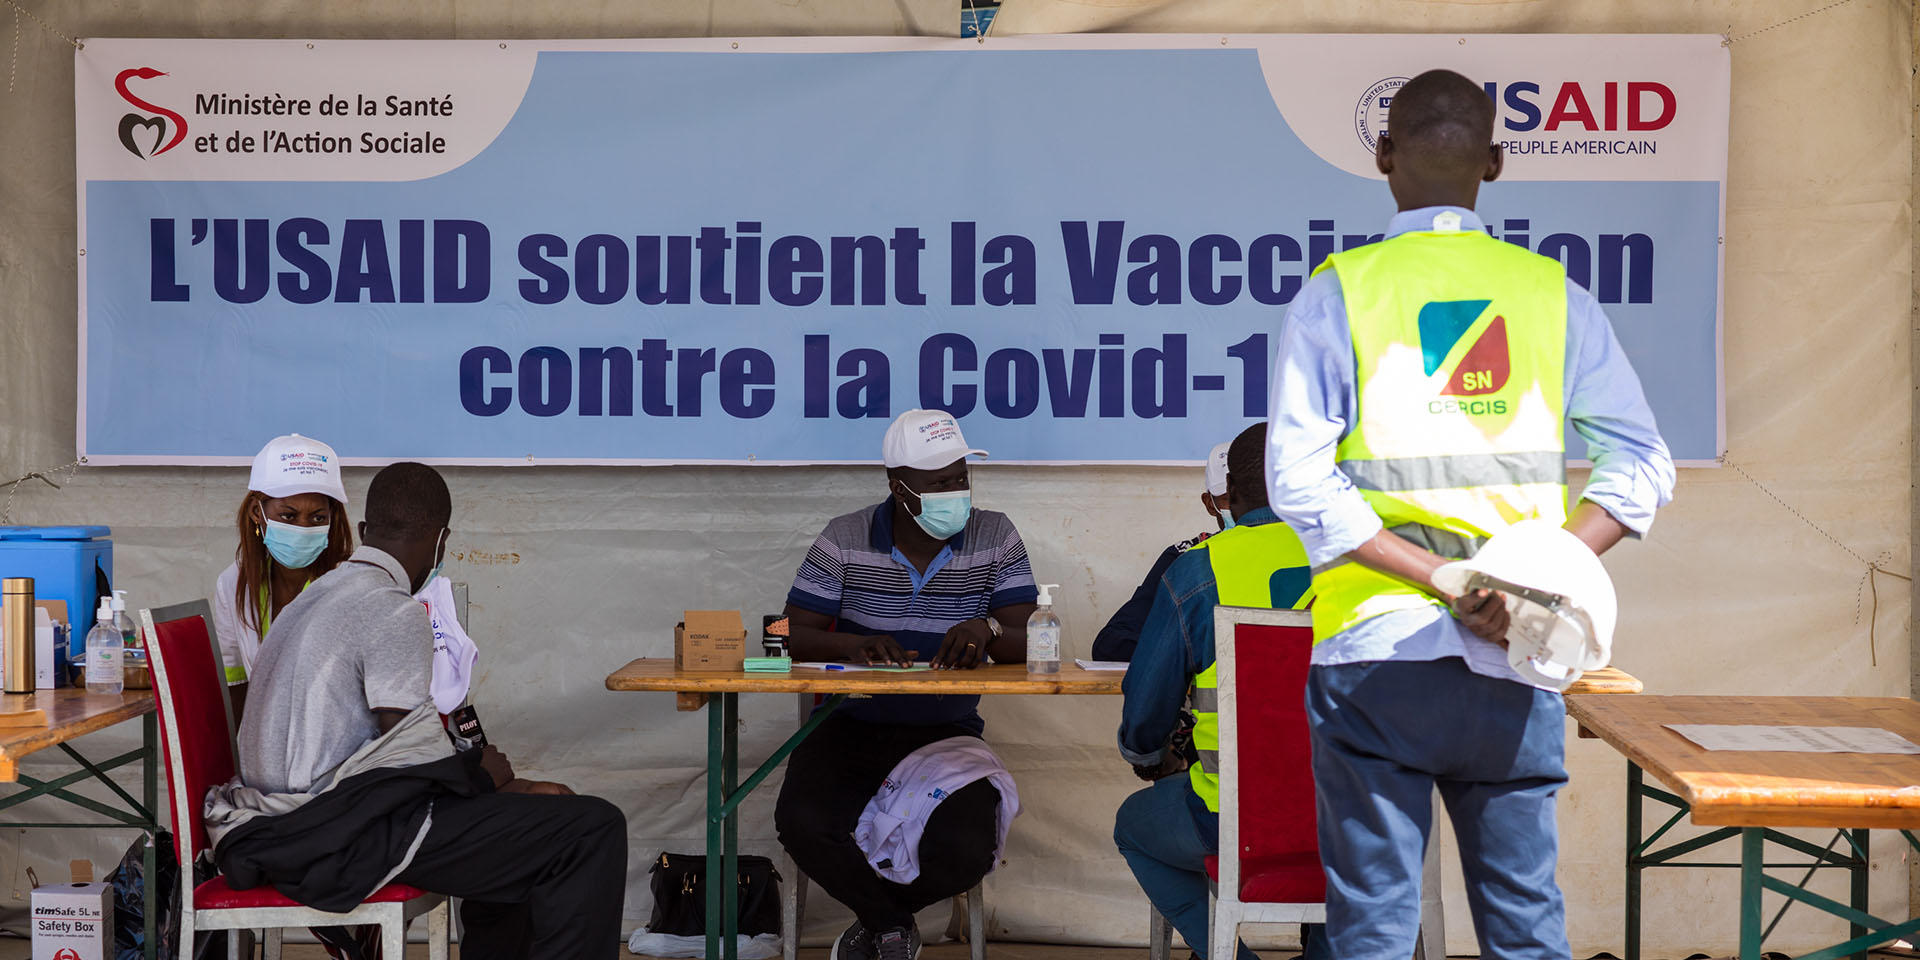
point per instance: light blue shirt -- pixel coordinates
(1315, 404)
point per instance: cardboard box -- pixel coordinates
(46, 660)
(710, 640)
(73, 921)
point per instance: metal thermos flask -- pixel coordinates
(16, 633)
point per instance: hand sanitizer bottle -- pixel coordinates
(105, 670)
(1043, 634)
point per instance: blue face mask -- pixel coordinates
(438, 566)
(1226, 521)
(295, 547)
(944, 514)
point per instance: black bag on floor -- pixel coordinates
(130, 903)
(679, 887)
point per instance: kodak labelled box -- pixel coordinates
(710, 640)
(73, 921)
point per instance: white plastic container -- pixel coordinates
(106, 665)
(1043, 634)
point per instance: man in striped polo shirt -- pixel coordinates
(919, 577)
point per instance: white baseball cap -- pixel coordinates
(1558, 594)
(1217, 470)
(296, 464)
(924, 440)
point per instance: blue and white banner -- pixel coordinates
(761, 250)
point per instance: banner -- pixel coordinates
(761, 250)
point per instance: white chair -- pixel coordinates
(793, 902)
(196, 730)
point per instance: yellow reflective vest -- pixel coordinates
(1247, 561)
(1459, 344)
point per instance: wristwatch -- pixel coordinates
(993, 627)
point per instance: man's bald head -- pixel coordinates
(1438, 145)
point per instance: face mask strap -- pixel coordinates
(902, 484)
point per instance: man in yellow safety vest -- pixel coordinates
(1419, 395)
(1167, 830)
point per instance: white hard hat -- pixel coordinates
(1217, 470)
(1558, 594)
(924, 440)
(295, 464)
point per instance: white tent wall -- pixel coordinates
(575, 570)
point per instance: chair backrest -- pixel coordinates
(1266, 780)
(196, 719)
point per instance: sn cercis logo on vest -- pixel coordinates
(1482, 368)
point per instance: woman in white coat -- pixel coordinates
(293, 528)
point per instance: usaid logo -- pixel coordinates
(1633, 106)
(1370, 114)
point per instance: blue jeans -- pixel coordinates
(1385, 734)
(1166, 834)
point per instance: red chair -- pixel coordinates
(1266, 778)
(196, 733)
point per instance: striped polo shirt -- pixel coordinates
(854, 573)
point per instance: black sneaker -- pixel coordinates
(899, 943)
(854, 943)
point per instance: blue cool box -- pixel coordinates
(74, 564)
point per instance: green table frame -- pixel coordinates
(1865, 930)
(723, 810)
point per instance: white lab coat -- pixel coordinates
(890, 827)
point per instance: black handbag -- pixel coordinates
(679, 887)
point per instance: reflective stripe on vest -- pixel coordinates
(1431, 539)
(1253, 566)
(1459, 345)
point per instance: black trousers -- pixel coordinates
(830, 779)
(541, 876)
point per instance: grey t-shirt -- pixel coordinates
(353, 642)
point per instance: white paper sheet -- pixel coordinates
(859, 667)
(1792, 739)
(1118, 666)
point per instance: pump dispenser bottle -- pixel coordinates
(106, 671)
(1043, 634)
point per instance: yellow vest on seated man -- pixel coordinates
(1250, 568)
(1459, 345)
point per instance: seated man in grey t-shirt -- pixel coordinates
(346, 670)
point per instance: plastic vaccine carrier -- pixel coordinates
(1043, 634)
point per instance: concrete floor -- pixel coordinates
(13, 948)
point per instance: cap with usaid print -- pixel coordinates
(295, 464)
(924, 440)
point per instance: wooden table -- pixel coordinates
(1748, 794)
(698, 688)
(73, 713)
